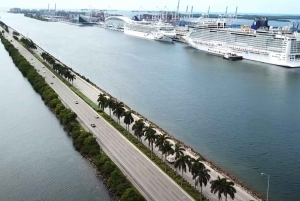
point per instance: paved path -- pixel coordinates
(149, 179)
(92, 93)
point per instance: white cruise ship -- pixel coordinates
(150, 30)
(259, 42)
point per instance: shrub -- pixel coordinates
(108, 168)
(132, 195)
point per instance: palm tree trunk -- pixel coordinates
(201, 193)
(151, 150)
(181, 176)
(109, 113)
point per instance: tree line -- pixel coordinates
(60, 69)
(83, 141)
(183, 162)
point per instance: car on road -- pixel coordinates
(44, 71)
(93, 125)
(76, 102)
(44, 76)
(97, 116)
(51, 82)
(43, 66)
(53, 76)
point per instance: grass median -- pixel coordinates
(162, 165)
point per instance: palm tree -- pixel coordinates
(178, 150)
(67, 74)
(72, 77)
(182, 163)
(222, 186)
(160, 142)
(138, 128)
(167, 149)
(119, 110)
(128, 119)
(111, 104)
(196, 165)
(151, 136)
(201, 177)
(102, 101)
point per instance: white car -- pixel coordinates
(76, 102)
(171, 158)
(97, 116)
(93, 125)
(44, 71)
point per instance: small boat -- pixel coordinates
(232, 57)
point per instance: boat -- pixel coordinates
(257, 42)
(232, 56)
(150, 30)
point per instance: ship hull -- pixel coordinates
(221, 49)
(149, 36)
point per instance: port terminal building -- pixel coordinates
(116, 21)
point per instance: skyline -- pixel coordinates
(216, 6)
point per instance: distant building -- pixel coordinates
(15, 10)
(116, 21)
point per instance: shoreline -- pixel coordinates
(72, 125)
(162, 131)
(189, 150)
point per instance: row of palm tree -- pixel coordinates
(182, 162)
(60, 69)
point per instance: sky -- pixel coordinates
(244, 6)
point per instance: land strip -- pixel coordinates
(150, 180)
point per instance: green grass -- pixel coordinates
(162, 165)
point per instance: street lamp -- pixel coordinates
(268, 184)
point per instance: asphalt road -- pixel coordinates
(92, 93)
(153, 183)
(241, 195)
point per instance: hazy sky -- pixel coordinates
(245, 6)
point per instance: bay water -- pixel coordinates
(242, 115)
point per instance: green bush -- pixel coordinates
(132, 195)
(108, 168)
(83, 141)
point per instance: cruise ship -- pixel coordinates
(258, 42)
(150, 30)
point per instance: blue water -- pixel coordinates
(37, 158)
(242, 115)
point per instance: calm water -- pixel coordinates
(37, 159)
(242, 115)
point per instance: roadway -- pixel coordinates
(92, 93)
(152, 182)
